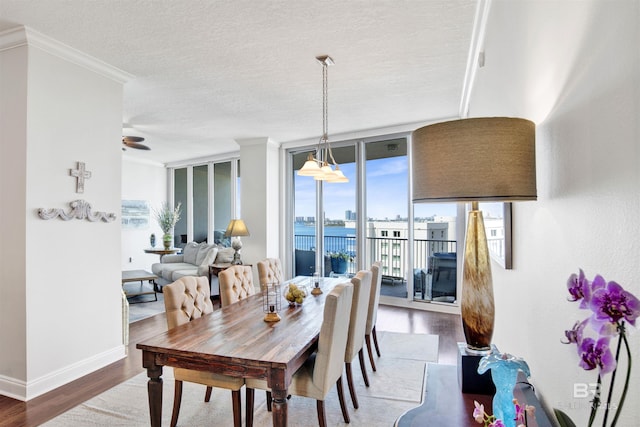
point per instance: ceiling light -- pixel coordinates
(322, 166)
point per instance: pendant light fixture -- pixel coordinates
(320, 166)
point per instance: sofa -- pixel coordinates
(193, 261)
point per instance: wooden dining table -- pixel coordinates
(236, 341)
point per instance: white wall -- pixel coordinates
(61, 303)
(142, 181)
(574, 68)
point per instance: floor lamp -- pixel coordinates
(473, 160)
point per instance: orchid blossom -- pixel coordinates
(611, 307)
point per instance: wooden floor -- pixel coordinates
(15, 413)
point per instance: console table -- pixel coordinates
(162, 252)
(445, 405)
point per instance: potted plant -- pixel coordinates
(339, 262)
(167, 219)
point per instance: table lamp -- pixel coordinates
(473, 160)
(236, 228)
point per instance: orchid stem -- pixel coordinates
(596, 402)
(613, 374)
(626, 381)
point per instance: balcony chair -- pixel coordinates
(315, 378)
(186, 299)
(357, 324)
(372, 314)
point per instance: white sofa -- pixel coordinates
(194, 261)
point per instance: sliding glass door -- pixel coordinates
(209, 198)
(340, 228)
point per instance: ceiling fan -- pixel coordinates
(133, 142)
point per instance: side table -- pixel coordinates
(162, 252)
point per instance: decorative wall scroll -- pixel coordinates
(80, 209)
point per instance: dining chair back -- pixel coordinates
(324, 368)
(357, 324)
(270, 271)
(186, 299)
(236, 283)
(374, 300)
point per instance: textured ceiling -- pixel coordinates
(210, 72)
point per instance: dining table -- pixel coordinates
(235, 340)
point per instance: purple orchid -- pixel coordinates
(497, 423)
(579, 288)
(575, 334)
(612, 303)
(596, 355)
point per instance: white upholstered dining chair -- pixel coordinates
(186, 299)
(236, 283)
(357, 324)
(372, 315)
(324, 368)
(270, 271)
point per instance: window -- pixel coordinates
(203, 219)
(376, 203)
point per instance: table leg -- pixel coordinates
(154, 388)
(279, 407)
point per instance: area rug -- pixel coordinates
(144, 306)
(397, 386)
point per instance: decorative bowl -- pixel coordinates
(294, 294)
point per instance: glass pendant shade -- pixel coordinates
(310, 167)
(338, 176)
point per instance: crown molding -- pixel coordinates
(25, 36)
(477, 44)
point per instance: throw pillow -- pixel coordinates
(225, 255)
(190, 252)
(210, 258)
(203, 252)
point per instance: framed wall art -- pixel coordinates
(135, 214)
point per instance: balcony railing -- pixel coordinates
(391, 252)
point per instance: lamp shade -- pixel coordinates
(477, 159)
(236, 228)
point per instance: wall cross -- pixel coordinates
(81, 174)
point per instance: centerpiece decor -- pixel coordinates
(611, 308)
(504, 372)
(167, 219)
(271, 301)
(316, 284)
(295, 295)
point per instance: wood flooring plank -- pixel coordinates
(14, 413)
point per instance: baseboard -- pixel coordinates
(439, 307)
(24, 391)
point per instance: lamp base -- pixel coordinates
(316, 291)
(272, 317)
(236, 259)
(469, 379)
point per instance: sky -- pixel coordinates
(387, 193)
